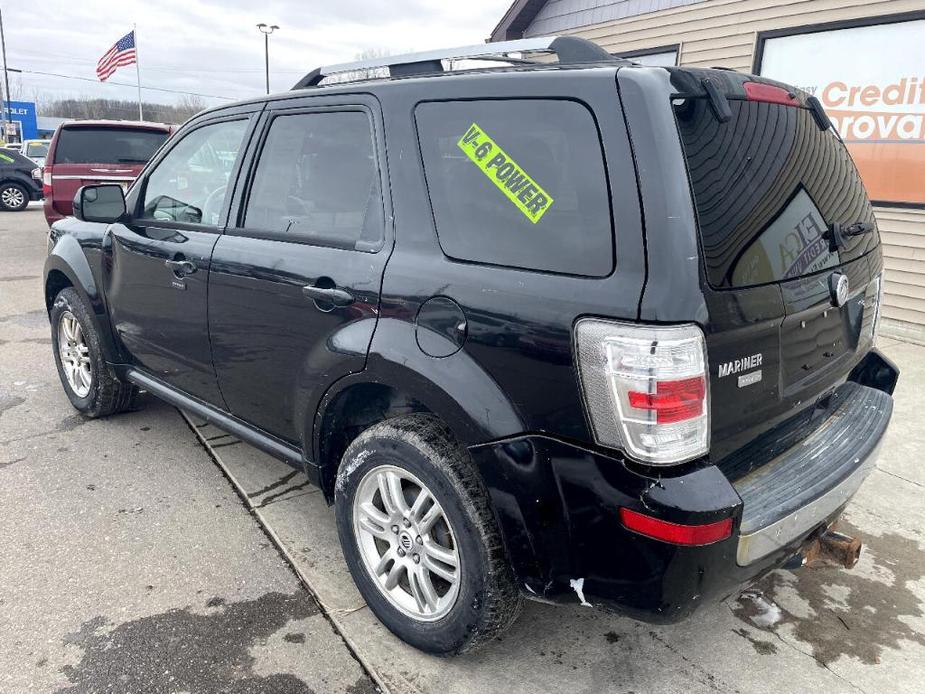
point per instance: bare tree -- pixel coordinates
(92, 108)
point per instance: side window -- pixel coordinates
(519, 183)
(189, 184)
(317, 182)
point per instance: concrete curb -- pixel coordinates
(332, 615)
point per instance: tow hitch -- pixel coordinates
(830, 547)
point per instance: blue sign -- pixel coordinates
(22, 112)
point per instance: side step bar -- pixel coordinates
(234, 426)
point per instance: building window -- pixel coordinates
(868, 76)
(663, 56)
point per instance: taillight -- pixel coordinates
(755, 91)
(646, 388)
(676, 533)
(37, 173)
(46, 181)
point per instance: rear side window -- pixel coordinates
(317, 182)
(768, 184)
(101, 145)
(519, 183)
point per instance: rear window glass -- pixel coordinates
(519, 183)
(36, 149)
(768, 184)
(107, 145)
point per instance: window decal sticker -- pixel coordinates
(520, 188)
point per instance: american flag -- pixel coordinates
(122, 53)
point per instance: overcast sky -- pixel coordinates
(214, 47)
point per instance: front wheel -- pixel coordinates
(419, 537)
(13, 197)
(88, 382)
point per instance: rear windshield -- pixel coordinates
(36, 149)
(107, 145)
(768, 184)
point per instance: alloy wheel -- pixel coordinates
(12, 197)
(75, 354)
(407, 543)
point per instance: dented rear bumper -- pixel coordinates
(557, 504)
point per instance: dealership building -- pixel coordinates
(864, 59)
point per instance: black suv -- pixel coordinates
(581, 331)
(20, 181)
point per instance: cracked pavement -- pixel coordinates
(75, 596)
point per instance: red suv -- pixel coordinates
(96, 151)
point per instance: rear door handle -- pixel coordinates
(329, 295)
(181, 267)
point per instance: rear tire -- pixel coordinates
(13, 197)
(469, 603)
(90, 385)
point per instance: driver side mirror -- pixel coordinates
(100, 203)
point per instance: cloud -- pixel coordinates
(215, 48)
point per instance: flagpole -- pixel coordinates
(137, 69)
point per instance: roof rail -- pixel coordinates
(569, 49)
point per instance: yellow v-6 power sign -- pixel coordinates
(505, 173)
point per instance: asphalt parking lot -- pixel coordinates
(147, 554)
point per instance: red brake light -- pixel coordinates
(675, 533)
(673, 401)
(755, 91)
(46, 180)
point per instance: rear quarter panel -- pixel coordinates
(517, 356)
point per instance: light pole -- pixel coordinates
(6, 82)
(266, 31)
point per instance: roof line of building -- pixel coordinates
(516, 20)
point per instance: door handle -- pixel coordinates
(330, 295)
(181, 267)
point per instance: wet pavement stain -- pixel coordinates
(71, 422)
(850, 614)
(761, 646)
(180, 650)
(363, 686)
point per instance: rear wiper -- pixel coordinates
(838, 234)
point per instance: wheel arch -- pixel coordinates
(419, 383)
(67, 266)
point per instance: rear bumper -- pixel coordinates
(51, 214)
(818, 477)
(558, 504)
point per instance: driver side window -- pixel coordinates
(189, 184)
